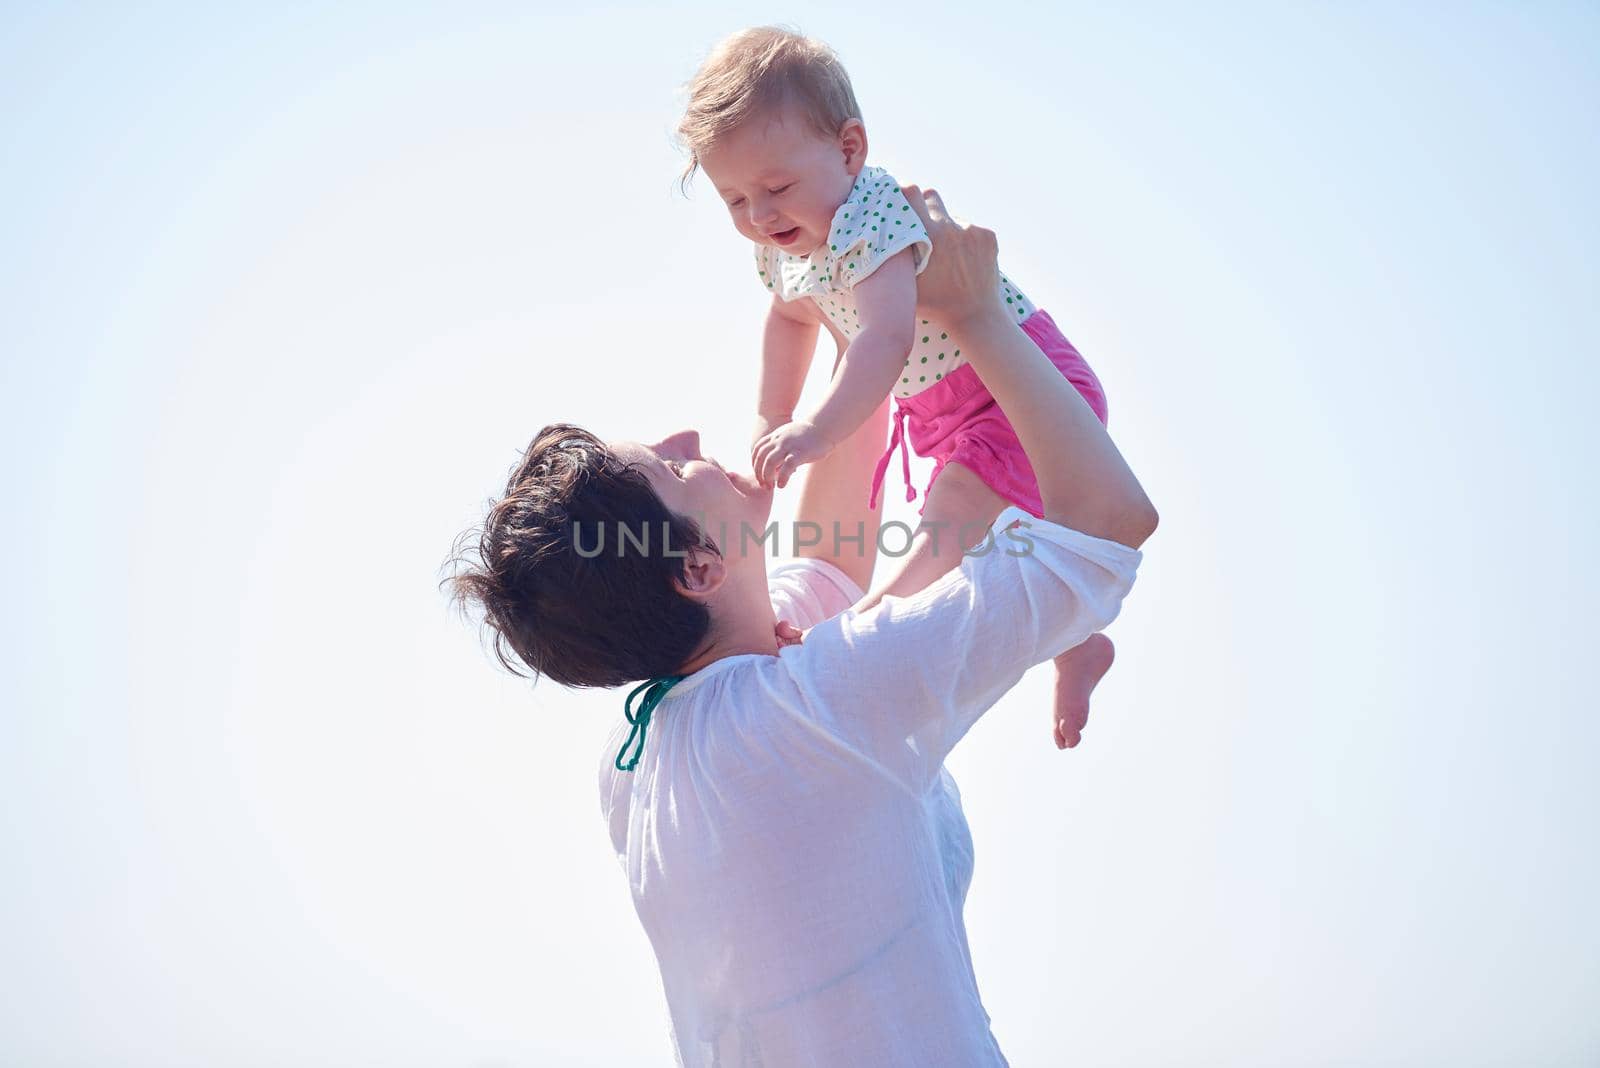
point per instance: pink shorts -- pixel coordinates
(958, 419)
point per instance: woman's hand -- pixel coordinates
(962, 279)
(1084, 482)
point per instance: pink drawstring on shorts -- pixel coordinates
(898, 438)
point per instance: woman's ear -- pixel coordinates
(703, 575)
(853, 143)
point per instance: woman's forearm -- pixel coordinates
(1083, 480)
(833, 512)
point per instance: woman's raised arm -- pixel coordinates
(1083, 480)
(903, 682)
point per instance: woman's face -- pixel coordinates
(722, 502)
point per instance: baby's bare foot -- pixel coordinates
(1078, 670)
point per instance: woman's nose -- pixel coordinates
(685, 443)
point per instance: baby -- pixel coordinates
(773, 122)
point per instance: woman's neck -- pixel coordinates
(741, 623)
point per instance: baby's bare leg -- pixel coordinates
(958, 499)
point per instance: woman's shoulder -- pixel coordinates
(806, 590)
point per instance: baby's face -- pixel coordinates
(782, 181)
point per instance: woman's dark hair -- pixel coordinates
(566, 586)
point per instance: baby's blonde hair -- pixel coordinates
(756, 70)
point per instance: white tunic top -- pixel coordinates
(796, 850)
(874, 223)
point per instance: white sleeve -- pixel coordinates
(873, 227)
(903, 683)
(766, 267)
(808, 590)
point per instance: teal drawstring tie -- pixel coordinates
(653, 691)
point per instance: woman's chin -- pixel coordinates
(758, 500)
(748, 486)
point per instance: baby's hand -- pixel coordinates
(780, 453)
(766, 424)
(788, 634)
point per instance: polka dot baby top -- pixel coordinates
(874, 223)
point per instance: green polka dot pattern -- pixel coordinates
(859, 241)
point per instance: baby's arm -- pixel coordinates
(787, 345)
(886, 302)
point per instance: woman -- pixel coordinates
(795, 848)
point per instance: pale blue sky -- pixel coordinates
(283, 293)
